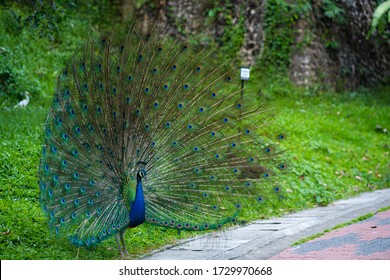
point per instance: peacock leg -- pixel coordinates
(122, 235)
(119, 244)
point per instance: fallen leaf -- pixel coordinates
(358, 178)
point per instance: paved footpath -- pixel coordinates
(365, 240)
(272, 239)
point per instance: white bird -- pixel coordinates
(24, 102)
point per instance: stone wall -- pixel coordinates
(339, 53)
(324, 50)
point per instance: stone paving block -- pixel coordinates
(184, 255)
(314, 213)
(292, 220)
(211, 245)
(261, 226)
(247, 247)
(299, 227)
(242, 234)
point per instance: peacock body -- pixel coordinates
(145, 129)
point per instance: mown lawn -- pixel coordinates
(332, 143)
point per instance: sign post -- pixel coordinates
(244, 76)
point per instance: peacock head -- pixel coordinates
(141, 173)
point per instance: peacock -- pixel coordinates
(144, 128)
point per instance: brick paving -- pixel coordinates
(364, 240)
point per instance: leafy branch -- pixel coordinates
(378, 20)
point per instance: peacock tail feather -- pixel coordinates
(145, 102)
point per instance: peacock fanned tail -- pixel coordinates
(143, 99)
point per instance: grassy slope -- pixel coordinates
(337, 151)
(334, 149)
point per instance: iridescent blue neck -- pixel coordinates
(137, 212)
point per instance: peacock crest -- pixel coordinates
(144, 128)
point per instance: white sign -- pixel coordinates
(245, 73)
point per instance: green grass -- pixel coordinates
(334, 146)
(384, 209)
(333, 155)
